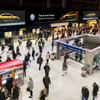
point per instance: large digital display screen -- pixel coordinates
(12, 17)
(50, 16)
(89, 15)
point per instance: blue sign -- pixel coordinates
(71, 47)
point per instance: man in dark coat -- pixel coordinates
(13, 54)
(40, 49)
(2, 47)
(2, 94)
(16, 92)
(46, 69)
(33, 53)
(39, 61)
(18, 51)
(24, 68)
(95, 90)
(85, 93)
(46, 82)
(9, 84)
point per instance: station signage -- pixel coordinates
(71, 47)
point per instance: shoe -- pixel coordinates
(30, 96)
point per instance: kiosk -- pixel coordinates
(12, 67)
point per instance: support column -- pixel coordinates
(88, 61)
(0, 80)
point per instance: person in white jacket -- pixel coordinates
(30, 86)
(47, 57)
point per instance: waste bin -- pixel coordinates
(83, 71)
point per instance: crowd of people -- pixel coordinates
(13, 90)
(73, 31)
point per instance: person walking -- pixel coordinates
(95, 90)
(46, 69)
(46, 82)
(85, 93)
(9, 84)
(39, 61)
(33, 53)
(18, 51)
(52, 44)
(15, 93)
(2, 47)
(47, 57)
(14, 55)
(24, 68)
(30, 86)
(42, 95)
(2, 94)
(40, 49)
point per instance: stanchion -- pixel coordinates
(13, 76)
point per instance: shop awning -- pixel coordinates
(9, 65)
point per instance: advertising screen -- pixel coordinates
(90, 15)
(12, 17)
(50, 16)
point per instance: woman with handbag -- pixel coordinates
(30, 87)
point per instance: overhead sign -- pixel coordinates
(71, 47)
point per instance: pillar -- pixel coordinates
(88, 61)
(0, 80)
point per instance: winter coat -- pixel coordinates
(33, 52)
(85, 92)
(2, 96)
(39, 60)
(30, 84)
(46, 81)
(16, 92)
(95, 89)
(47, 68)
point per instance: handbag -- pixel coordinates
(28, 89)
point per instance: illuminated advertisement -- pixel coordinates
(91, 15)
(12, 17)
(49, 15)
(70, 16)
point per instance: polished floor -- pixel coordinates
(67, 87)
